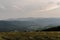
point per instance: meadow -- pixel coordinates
(30, 35)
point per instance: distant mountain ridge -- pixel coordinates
(40, 20)
(28, 24)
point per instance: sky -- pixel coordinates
(29, 8)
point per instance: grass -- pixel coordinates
(29, 35)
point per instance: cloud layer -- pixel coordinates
(28, 8)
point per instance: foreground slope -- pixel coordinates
(57, 28)
(29, 35)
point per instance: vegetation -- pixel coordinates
(29, 35)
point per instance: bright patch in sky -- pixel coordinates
(50, 7)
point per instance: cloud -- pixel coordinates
(26, 8)
(50, 7)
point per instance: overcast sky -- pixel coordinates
(29, 8)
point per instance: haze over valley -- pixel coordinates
(29, 15)
(28, 24)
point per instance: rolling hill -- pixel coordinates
(28, 24)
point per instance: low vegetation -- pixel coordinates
(29, 35)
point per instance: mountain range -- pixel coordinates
(28, 24)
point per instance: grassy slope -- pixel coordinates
(29, 35)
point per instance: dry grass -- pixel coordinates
(29, 35)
